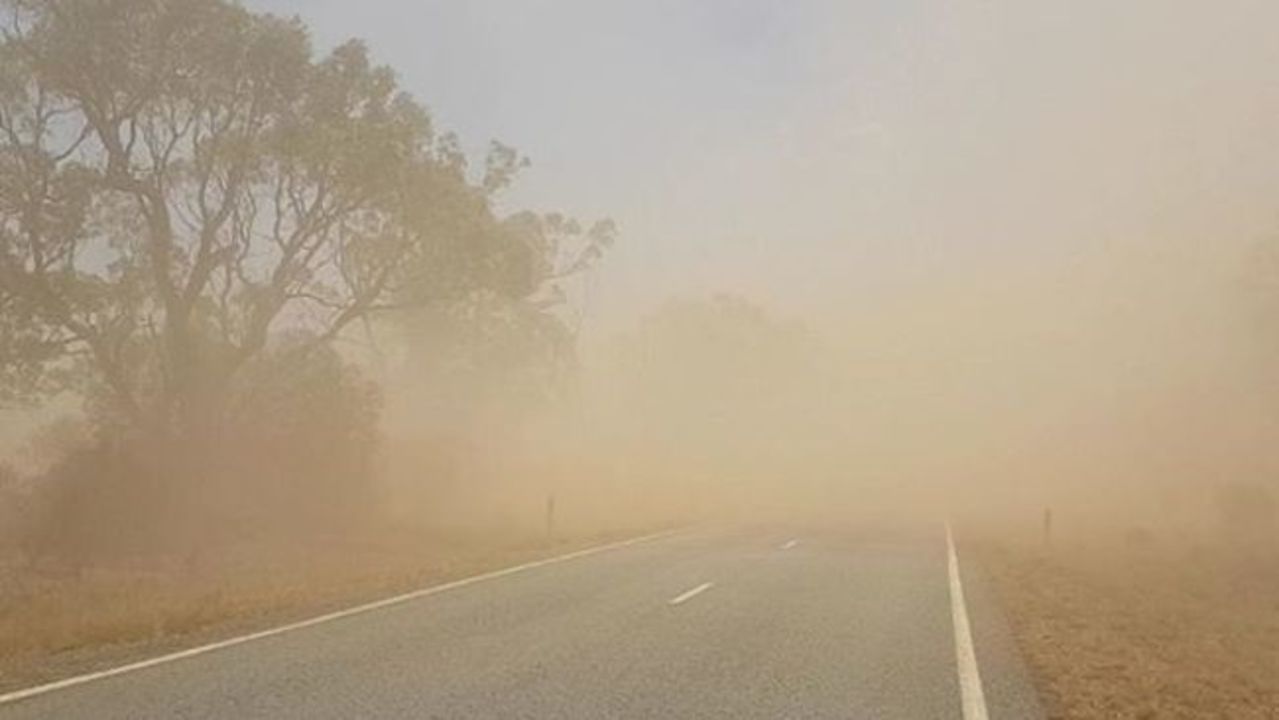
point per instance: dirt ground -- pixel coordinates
(1129, 627)
(55, 624)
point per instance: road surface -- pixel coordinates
(727, 624)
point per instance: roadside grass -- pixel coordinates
(1144, 627)
(53, 625)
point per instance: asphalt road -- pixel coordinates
(742, 624)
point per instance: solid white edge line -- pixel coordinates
(972, 697)
(681, 599)
(328, 617)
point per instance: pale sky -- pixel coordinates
(982, 198)
(825, 154)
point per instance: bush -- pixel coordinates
(306, 424)
(294, 456)
(97, 504)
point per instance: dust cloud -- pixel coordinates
(989, 259)
(1025, 266)
(275, 340)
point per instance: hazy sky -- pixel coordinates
(673, 117)
(826, 154)
(1023, 217)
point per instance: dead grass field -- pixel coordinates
(57, 624)
(1134, 628)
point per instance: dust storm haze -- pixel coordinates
(812, 262)
(964, 258)
(954, 257)
(291, 321)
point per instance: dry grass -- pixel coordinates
(56, 625)
(1124, 629)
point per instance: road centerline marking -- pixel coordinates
(972, 698)
(789, 544)
(685, 597)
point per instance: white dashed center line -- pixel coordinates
(681, 599)
(790, 544)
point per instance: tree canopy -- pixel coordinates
(182, 180)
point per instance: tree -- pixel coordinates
(507, 339)
(179, 180)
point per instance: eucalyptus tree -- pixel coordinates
(183, 180)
